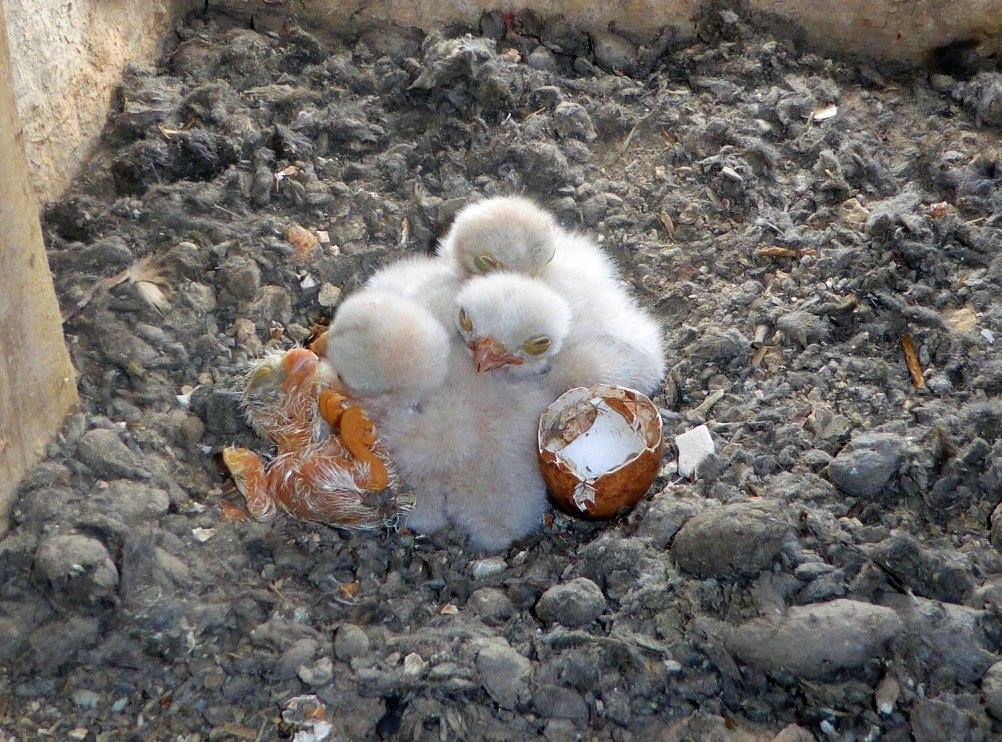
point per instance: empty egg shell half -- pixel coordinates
(599, 449)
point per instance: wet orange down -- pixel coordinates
(310, 477)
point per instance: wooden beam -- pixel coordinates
(37, 385)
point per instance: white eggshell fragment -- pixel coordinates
(693, 448)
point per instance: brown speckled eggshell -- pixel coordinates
(617, 491)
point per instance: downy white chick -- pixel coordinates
(612, 339)
(500, 233)
(512, 322)
(431, 282)
(523, 327)
(514, 233)
(465, 443)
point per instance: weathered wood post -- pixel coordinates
(37, 384)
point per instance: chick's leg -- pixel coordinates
(248, 474)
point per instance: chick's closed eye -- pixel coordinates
(537, 345)
(486, 263)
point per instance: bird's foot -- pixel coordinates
(248, 474)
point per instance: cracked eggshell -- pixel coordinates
(608, 463)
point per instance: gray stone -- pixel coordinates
(86, 699)
(108, 253)
(556, 702)
(995, 534)
(665, 516)
(940, 384)
(76, 570)
(582, 671)
(594, 208)
(941, 574)
(737, 539)
(319, 673)
(941, 83)
(483, 568)
(984, 96)
(721, 348)
(825, 423)
(151, 573)
(991, 690)
(103, 451)
(274, 304)
(560, 730)
(988, 595)
(805, 328)
(55, 643)
(814, 640)
(133, 501)
(542, 59)
(811, 570)
(241, 277)
(946, 635)
(793, 733)
(816, 459)
(350, 641)
(298, 656)
(943, 718)
(573, 604)
(492, 605)
(614, 53)
(572, 120)
(505, 674)
(864, 467)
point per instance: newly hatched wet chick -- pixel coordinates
(464, 442)
(315, 475)
(527, 330)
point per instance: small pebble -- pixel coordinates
(350, 641)
(483, 568)
(203, 534)
(329, 295)
(86, 698)
(576, 603)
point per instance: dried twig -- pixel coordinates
(629, 137)
(775, 251)
(911, 359)
(706, 404)
(758, 344)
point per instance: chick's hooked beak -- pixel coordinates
(489, 354)
(299, 364)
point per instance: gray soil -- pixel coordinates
(834, 566)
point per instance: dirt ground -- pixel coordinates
(833, 566)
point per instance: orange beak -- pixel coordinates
(299, 364)
(489, 354)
